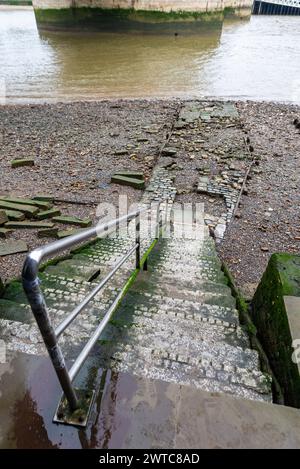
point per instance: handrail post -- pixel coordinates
(138, 241)
(39, 309)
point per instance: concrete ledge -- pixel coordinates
(136, 413)
(276, 315)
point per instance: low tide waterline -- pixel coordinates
(255, 59)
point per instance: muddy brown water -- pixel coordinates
(256, 59)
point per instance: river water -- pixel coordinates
(248, 59)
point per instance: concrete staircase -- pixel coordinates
(178, 323)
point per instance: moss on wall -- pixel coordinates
(281, 278)
(122, 19)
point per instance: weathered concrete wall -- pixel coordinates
(146, 5)
(276, 315)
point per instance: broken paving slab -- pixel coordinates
(12, 247)
(54, 212)
(128, 181)
(22, 162)
(130, 174)
(37, 203)
(43, 198)
(48, 233)
(28, 224)
(65, 233)
(28, 210)
(3, 217)
(14, 215)
(84, 223)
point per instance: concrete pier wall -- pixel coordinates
(133, 14)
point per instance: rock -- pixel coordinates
(12, 247)
(22, 162)
(220, 231)
(121, 152)
(28, 210)
(128, 181)
(3, 217)
(54, 212)
(169, 151)
(15, 215)
(73, 221)
(28, 224)
(264, 248)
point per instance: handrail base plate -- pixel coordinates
(79, 417)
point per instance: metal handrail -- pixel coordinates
(31, 285)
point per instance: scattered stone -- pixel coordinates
(131, 174)
(28, 210)
(28, 224)
(3, 217)
(72, 221)
(121, 152)
(44, 198)
(22, 162)
(128, 181)
(36, 203)
(54, 212)
(48, 233)
(12, 247)
(264, 248)
(65, 233)
(169, 151)
(15, 215)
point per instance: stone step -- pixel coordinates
(15, 311)
(200, 372)
(195, 348)
(208, 329)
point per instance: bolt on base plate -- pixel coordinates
(79, 417)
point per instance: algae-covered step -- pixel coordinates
(28, 224)
(12, 247)
(84, 223)
(29, 210)
(36, 203)
(17, 163)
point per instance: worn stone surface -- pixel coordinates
(12, 247)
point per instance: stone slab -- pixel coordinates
(12, 247)
(84, 223)
(28, 224)
(130, 174)
(37, 203)
(15, 215)
(47, 233)
(28, 210)
(128, 181)
(43, 198)
(22, 162)
(65, 233)
(54, 212)
(3, 217)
